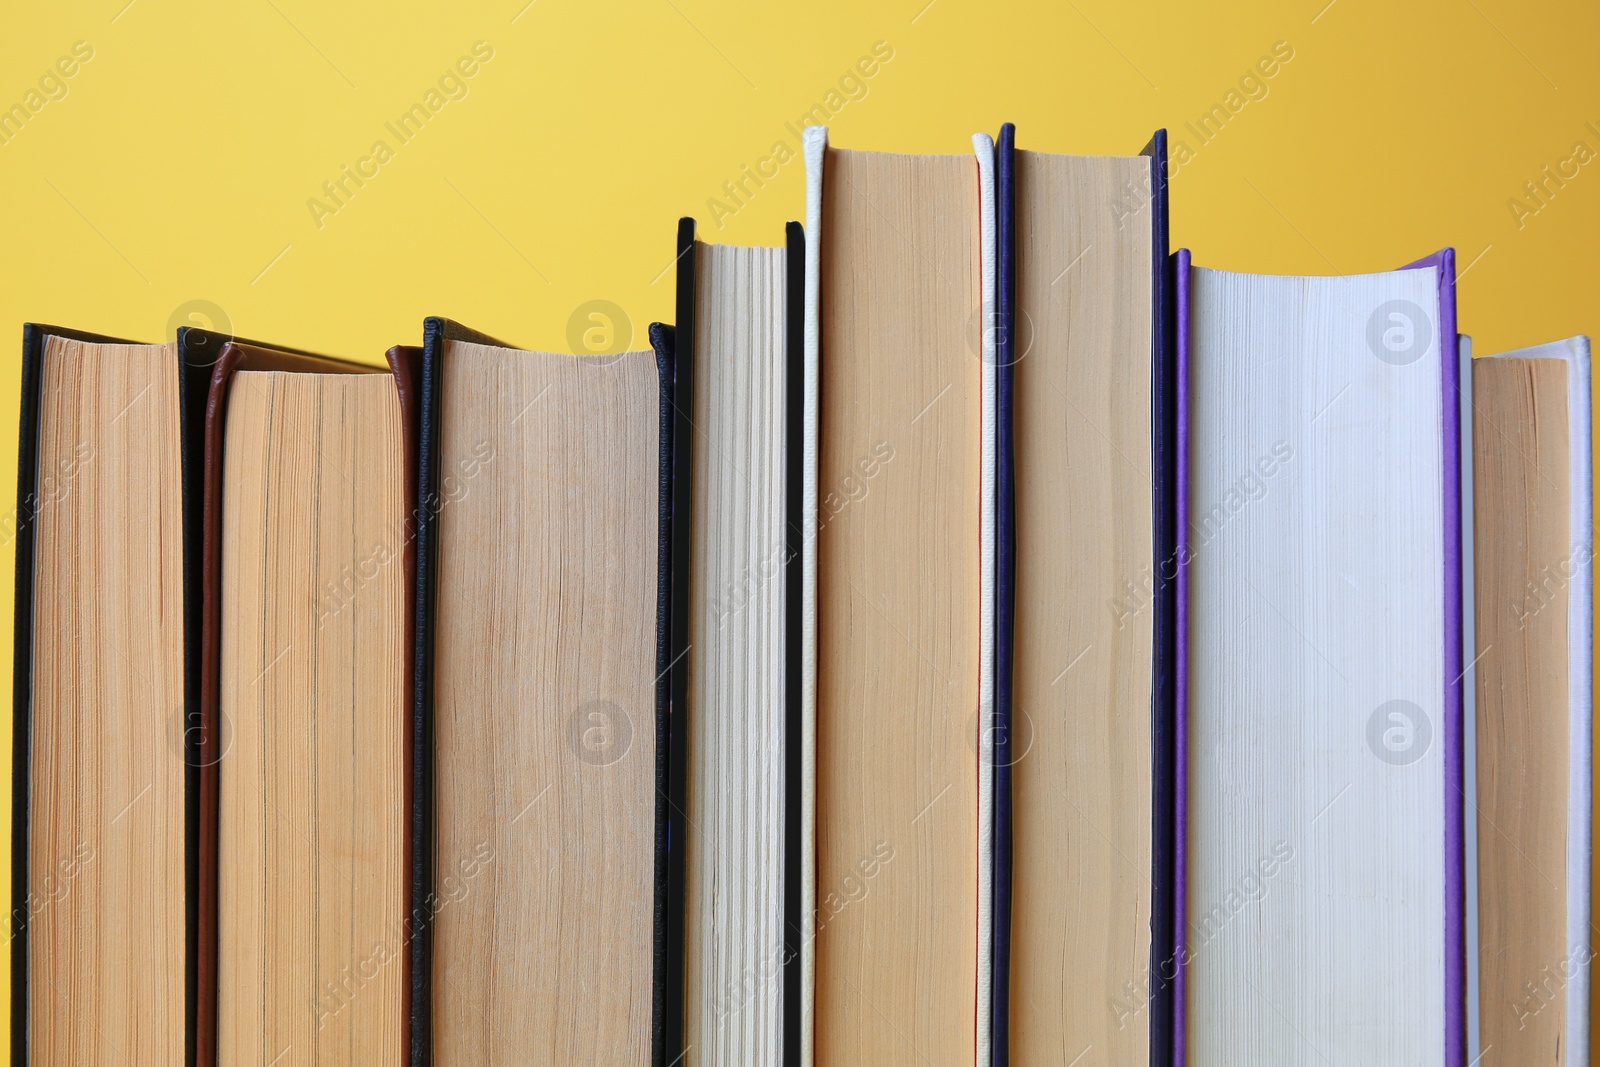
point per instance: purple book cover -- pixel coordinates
(1450, 488)
(1455, 949)
(1005, 587)
(1180, 893)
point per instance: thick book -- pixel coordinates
(1321, 914)
(736, 355)
(546, 665)
(303, 823)
(1084, 607)
(892, 620)
(105, 698)
(1527, 436)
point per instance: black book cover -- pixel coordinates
(794, 403)
(677, 528)
(675, 354)
(191, 395)
(1165, 455)
(436, 334)
(667, 924)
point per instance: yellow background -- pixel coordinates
(179, 164)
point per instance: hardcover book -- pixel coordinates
(546, 666)
(1084, 607)
(304, 656)
(1322, 916)
(1531, 567)
(105, 699)
(893, 630)
(737, 742)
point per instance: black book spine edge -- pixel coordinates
(669, 1001)
(197, 352)
(1164, 453)
(1005, 585)
(22, 682)
(663, 342)
(436, 334)
(794, 403)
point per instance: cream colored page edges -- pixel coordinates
(545, 707)
(898, 612)
(734, 939)
(816, 151)
(1521, 526)
(105, 854)
(983, 152)
(311, 810)
(1084, 626)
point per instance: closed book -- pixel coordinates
(1529, 513)
(736, 742)
(893, 632)
(1320, 549)
(1084, 608)
(305, 634)
(103, 927)
(545, 672)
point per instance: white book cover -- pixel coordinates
(983, 146)
(816, 149)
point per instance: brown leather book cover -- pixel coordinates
(404, 363)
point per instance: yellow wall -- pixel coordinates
(179, 164)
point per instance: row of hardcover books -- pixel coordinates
(972, 634)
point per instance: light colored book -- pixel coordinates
(893, 639)
(1323, 709)
(1533, 676)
